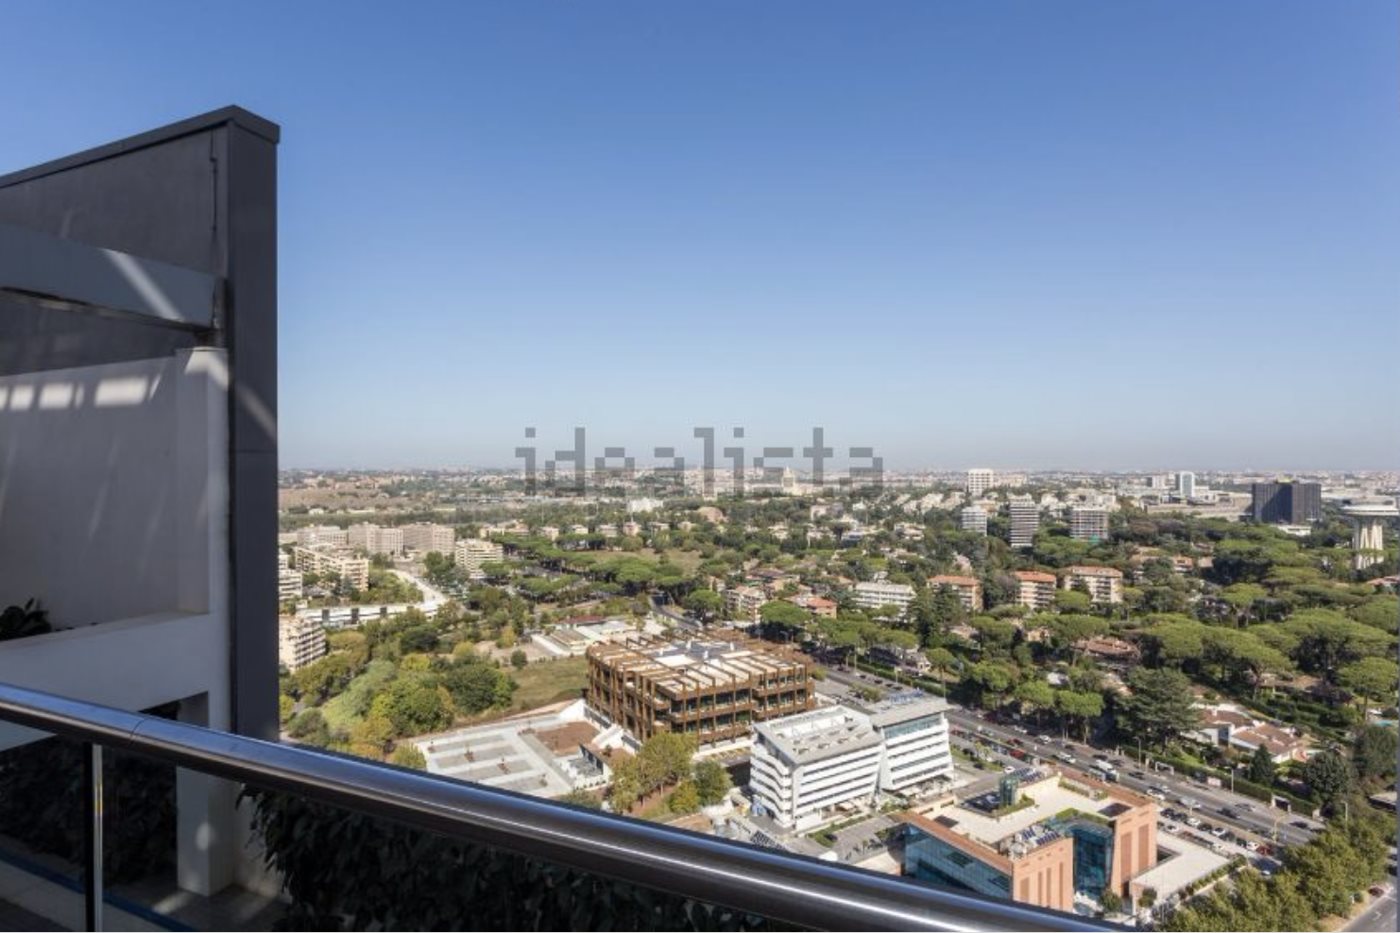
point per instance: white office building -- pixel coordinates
(1025, 522)
(802, 767)
(974, 519)
(871, 595)
(312, 535)
(979, 481)
(374, 539)
(914, 729)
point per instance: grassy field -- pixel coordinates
(545, 682)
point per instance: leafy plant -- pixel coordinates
(346, 870)
(24, 621)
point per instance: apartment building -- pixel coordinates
(375, 539)
(1042, 839)
(471, 553)
(288, 580)
(426, 537)
(710, 689)
(979, 481)
(1105, 584)
(968, 589)
(1088, 523)
(312, 535)
(1036, 589)
(300, 641)
(323, 559)
(1025, 522)
(743, 602)
(974, 519)
(139, 442)
(873, 595)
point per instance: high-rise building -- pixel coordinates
(1088, 523)
(1287, 503)
(979, 481)
(1186, 484)
(974, 519)
(374, 539)
(1025, 522)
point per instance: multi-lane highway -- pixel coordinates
(1249, 819)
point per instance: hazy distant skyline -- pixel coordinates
(1095, 235)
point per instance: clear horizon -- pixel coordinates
(1093, 233)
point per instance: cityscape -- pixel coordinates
(1138, 697)
(700, 467)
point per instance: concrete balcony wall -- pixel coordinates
(114, 489)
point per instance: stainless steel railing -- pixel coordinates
(782, 886)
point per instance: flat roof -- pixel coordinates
(819, 734)
(694, 664)
(901, 707)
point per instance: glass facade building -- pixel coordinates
(932, 860)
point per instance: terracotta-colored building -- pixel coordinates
(1041, 840)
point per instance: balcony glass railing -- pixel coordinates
(110, 810)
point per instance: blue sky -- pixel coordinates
(1095, 234)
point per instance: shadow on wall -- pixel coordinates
(112, 485)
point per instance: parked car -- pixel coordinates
(1194, 822)
(1252, 846)
(1218, 831)
(1173, 828)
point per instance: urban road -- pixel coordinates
(1250, 820)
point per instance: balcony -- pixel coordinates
(138, 495)
(447, 854)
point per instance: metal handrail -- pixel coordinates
(782, 886)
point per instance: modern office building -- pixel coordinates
(1025, 521)
(968, 589)
(426, 537)
(300, 641)
(873, 594)
(712, 690)
(471, 553)
(1282, 503)
(1036, 590)
(1104, 584)
(1041, 839)
(1088, 523)
(914, 729)
(324, 559)
(803, 767)
(979, 481)
(974, 519)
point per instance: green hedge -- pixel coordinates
(348, 871)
